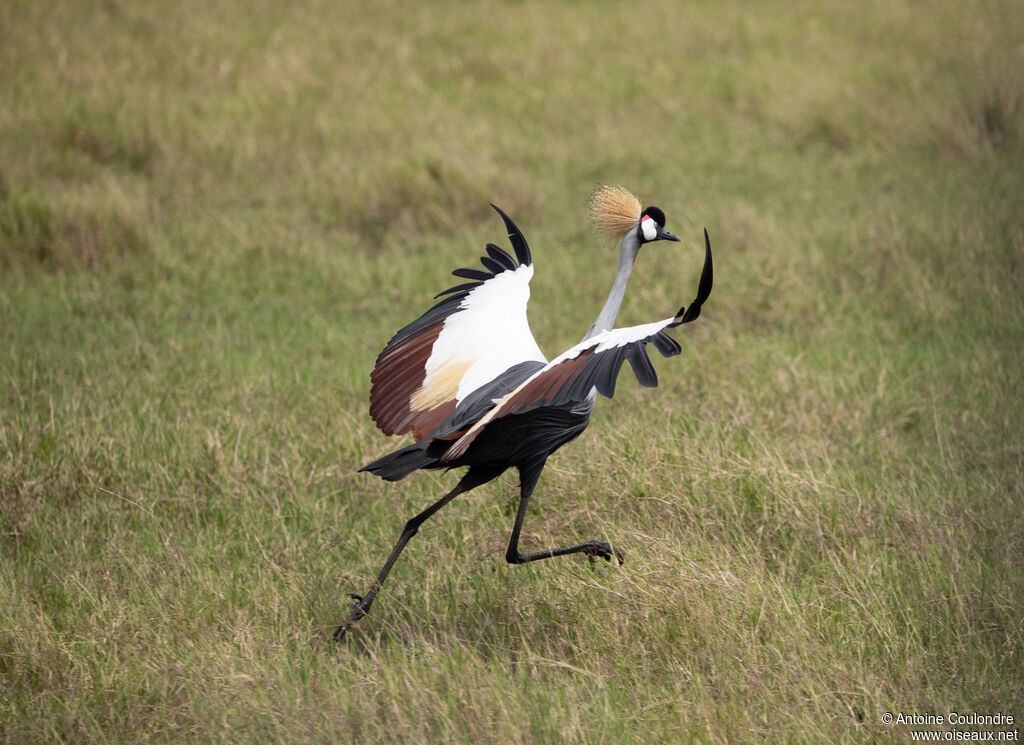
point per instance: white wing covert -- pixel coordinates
(466, 340)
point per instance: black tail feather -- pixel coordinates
(399, 464)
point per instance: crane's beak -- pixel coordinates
(664, 235)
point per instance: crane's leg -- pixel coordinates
(528, 480)
(473, 478)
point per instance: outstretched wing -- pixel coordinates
(593, 363)
(477, 332)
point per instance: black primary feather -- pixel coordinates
(495, 262)
(607, 374)
(495, 267)
(642, 367)
(458, 288)
(501, 256)
(665, 344)
(515, 236)
(467, 273)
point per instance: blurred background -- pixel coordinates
(212, 217)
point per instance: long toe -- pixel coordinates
(612, 551)
(605, 551)
(358, 611)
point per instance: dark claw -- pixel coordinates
(605, 551)
(362, 606)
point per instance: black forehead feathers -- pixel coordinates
(655, 214)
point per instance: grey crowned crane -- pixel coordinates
(470, 383)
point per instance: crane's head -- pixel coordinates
(616, 211)
(652, 226)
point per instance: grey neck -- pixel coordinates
(627, 256)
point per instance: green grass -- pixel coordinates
(212, 216)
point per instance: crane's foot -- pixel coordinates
(595, 549)
(360, 609)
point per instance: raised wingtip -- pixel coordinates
(707, 275)
(707, 279)
(516, 237)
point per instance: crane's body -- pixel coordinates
(470, 383)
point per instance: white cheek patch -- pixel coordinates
(649, 227)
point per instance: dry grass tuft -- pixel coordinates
(88, 227)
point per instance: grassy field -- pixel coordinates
(213, 215)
